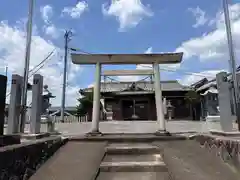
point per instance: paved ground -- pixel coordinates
(74, 161)
(72, 129)
(187, 161)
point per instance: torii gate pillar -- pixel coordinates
(158, 99)
(96, 100)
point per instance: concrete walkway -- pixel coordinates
(118, 160)
(74, 161)
(186, 160)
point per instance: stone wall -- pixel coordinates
(228, 150)
(20, 161)
(6, 140)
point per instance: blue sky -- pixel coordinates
(124, 26)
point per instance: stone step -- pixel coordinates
(133, 176)
(131, 148)
(131, 158)
(147, 166)
(128, 137)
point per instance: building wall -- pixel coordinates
(153, 110)
(181, 108)
(116, 105)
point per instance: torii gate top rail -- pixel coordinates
(163, 58)
(127, 73)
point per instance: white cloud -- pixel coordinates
(52, 31)
(149, 50)
(46, 12)
(146, 66)
(12, 50)
(77, 11)
(219, 19)
(194, 77)
(200, 16)
(49, 28)
(129, 13)
(213, 46)
(90, 85)
(172, 67)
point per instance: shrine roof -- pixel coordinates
(207, 85)
(213, 83)
(141, 85)
(161, 58)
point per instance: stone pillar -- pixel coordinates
(96, 100)
(3, 85)
(37, 89)
(158, 98)
(164, 106)
(104, 82)
(15, 104)
(224, 102)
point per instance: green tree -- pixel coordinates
(192, 98)
(85, 103)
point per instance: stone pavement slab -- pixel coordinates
(131, 148)
(186, 160)
(76, 128)
(133, 166)
(74, 161)
(133, 176)
(127, 138)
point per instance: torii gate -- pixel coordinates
(99, 59)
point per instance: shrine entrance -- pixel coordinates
(135, 109)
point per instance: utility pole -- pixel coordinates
(6, 70)
(67, 37)
(232, 61)
(26, 67)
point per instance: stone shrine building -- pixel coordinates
(136, 100)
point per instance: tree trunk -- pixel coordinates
(190, 109)
(194, 113)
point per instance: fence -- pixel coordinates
(57, 119)
(70, 119)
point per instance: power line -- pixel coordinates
(35, 71)
(41, 63)
(80, 50)
(190, 73)
(45, 59)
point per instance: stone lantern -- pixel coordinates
(46, 96)
(170, 109)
